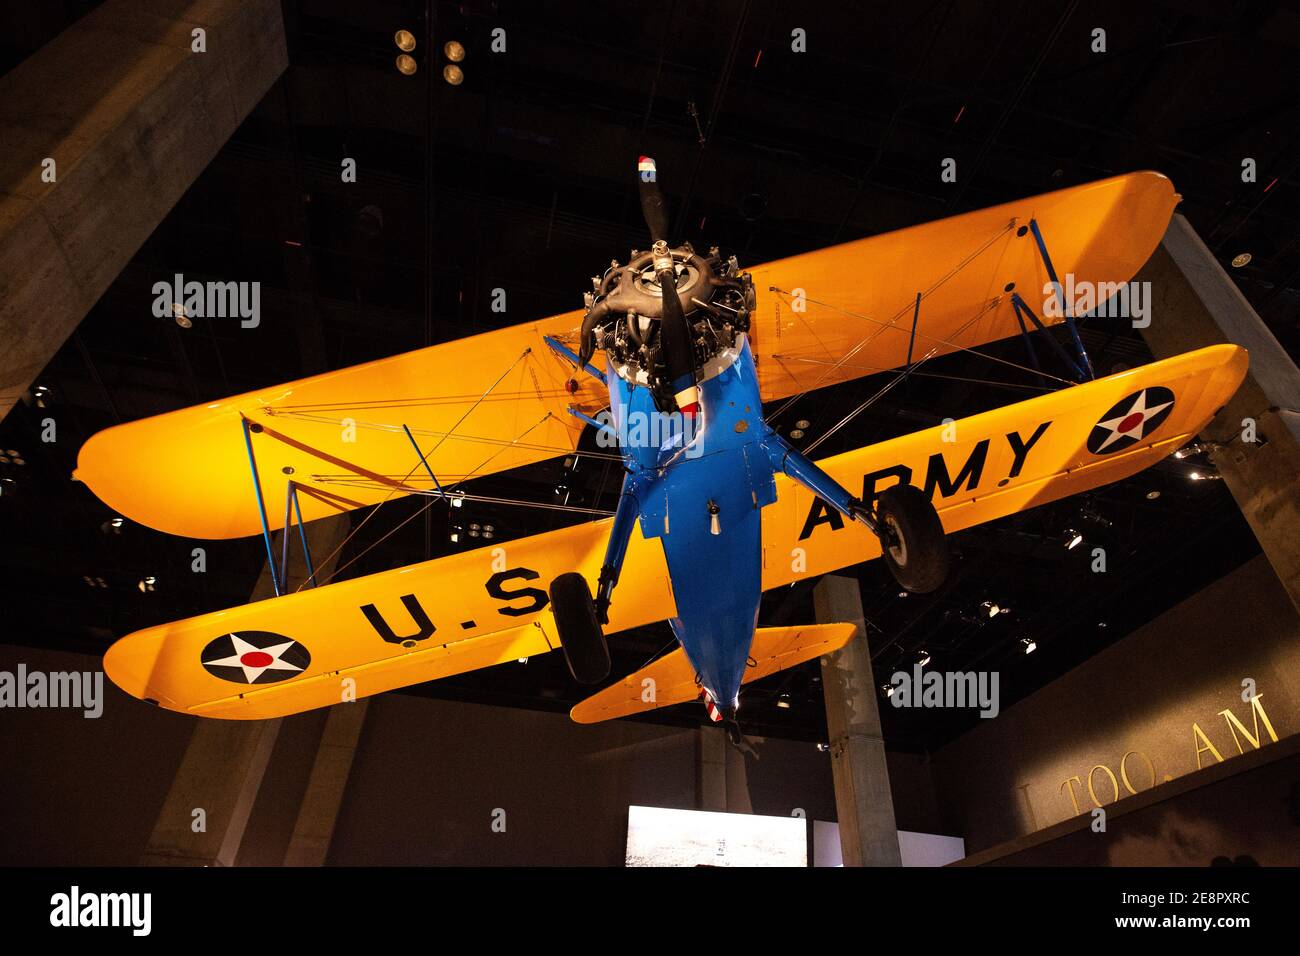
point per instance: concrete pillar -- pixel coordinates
(1194, 304)
(226, 760)
(319, 811)
(710, 768)
(863, 801)
(128, 114)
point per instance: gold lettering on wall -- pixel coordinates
(1123, 769)
(1113, 782)
(1073, 796)
(1256, 712)
(1198, 733)
(1200, 741)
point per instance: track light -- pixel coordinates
(923, 657)
(1072, 539)
(1030, 645)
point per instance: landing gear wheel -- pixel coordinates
(911, 538)
(585, 650)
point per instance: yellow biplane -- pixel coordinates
(670, 361)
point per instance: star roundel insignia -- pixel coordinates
(254, 657)
(1130, 420)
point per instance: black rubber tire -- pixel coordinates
(585, 650)
(919, 558)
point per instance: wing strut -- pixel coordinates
(261, 505)
(1084, 365)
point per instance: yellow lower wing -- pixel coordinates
(317, 647)
(671, 679)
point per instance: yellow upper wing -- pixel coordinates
(495, 401)
(861, 295)
(489, 605)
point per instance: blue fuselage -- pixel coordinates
(700, 491)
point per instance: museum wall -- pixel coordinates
(431, 777)
(1149, 709)
(82, 791)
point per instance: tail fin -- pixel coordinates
(671, 679)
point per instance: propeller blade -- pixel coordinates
(653, 207)
(675, 334)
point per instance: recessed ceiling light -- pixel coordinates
(453, 74)
(1240, 259)
(1152, 495)
(454, 51)
(406, 64)
(405, 40)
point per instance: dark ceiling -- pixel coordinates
(521, 179)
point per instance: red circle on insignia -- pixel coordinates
(256, 659)
(1130, 423)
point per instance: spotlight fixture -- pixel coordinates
(112, 526)
(802, 423)
(147, 584)
(1072, 539)
(455, 537)
(406, 64)
(523, 660)
(783, 702)
(993, 610)
(1203, 476)
(1153, 494)
(453, 50)
(888, 689)
(1240, 259)
(923, 657)
(1195, 448)
(824, 748)
(458, 501)
(453, 74)
(183, 320)
(405, 40)
(796, 433)
(1030, 645)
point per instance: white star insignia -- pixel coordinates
(256, 664)
(1133, 423)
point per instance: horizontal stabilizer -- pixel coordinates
(671, 679)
